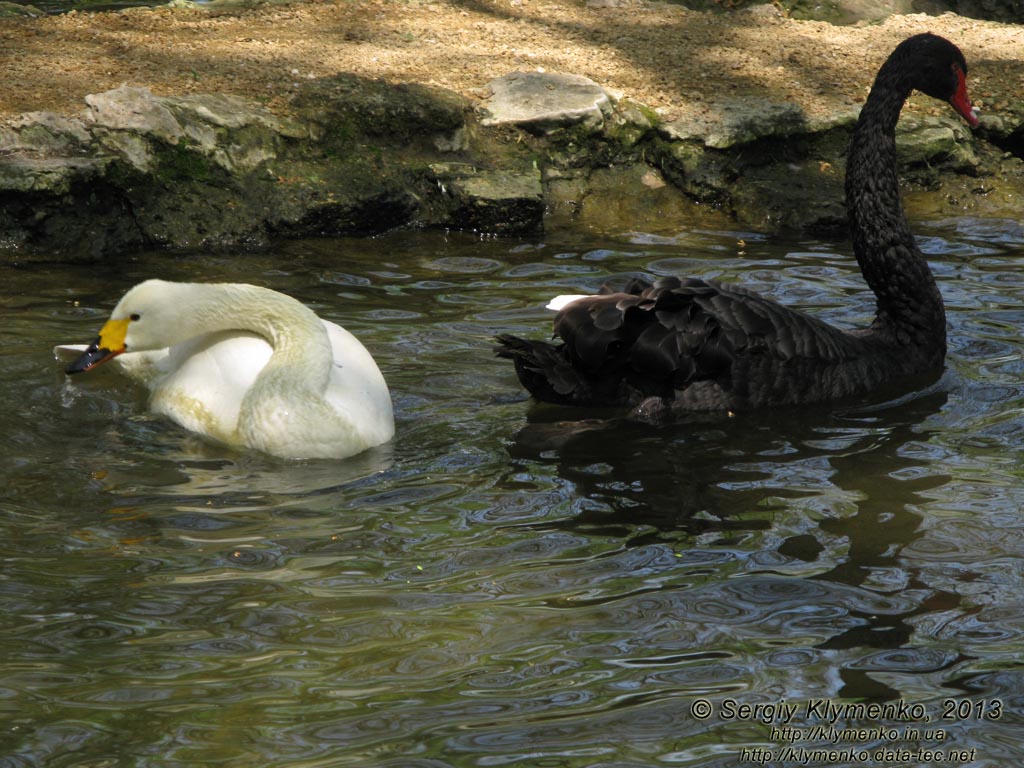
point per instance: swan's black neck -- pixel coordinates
(909, 303)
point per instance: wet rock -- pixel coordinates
(193, 170)
(362, 156)
(798, 195)
(1005, 131)
(48, 175)
(766, 185)
(216, 171)
(616, 199)
(500, 202)
(52, 189)
(542, 102)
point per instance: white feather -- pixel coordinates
(559, 302)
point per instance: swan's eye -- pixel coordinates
(134, 316)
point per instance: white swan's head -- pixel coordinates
(152, 315)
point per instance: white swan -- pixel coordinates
(247, 367)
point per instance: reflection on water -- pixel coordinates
(509, 583)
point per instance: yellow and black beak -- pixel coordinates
(110, 343)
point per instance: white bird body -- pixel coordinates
(247, 367)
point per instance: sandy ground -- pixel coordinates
(661, 55)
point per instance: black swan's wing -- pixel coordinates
(658, 340)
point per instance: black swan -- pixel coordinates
(695, 345)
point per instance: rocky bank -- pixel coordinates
(351, 154)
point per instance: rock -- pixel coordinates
(617, 199)
(346, 105)
(928, 140)
(46, 155)
(849, 11)
(133, 109)
(863, 12)
(8, 10)
(629, 123)
(798, 195)
(542, 102)
(362, 156)
(736, 121)
(44, 132)
(233, 133)
(217, 171)
(743, 121)
(49, 175)
(502, 202)
(767, 13)
(1008, 11)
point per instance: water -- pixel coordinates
(511, 584)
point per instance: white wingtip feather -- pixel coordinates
(559, 302)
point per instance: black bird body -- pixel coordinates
(688, 344)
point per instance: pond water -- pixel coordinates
(507, 583)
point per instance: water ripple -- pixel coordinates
(506, 584)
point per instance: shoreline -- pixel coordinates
(234, 158)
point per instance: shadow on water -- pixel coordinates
(720, 478)
(703, 473)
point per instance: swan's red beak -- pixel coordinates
(960, 101)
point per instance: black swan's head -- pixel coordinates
(936, 67)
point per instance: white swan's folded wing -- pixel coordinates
(201, 384)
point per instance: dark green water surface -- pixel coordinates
(508, 584)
